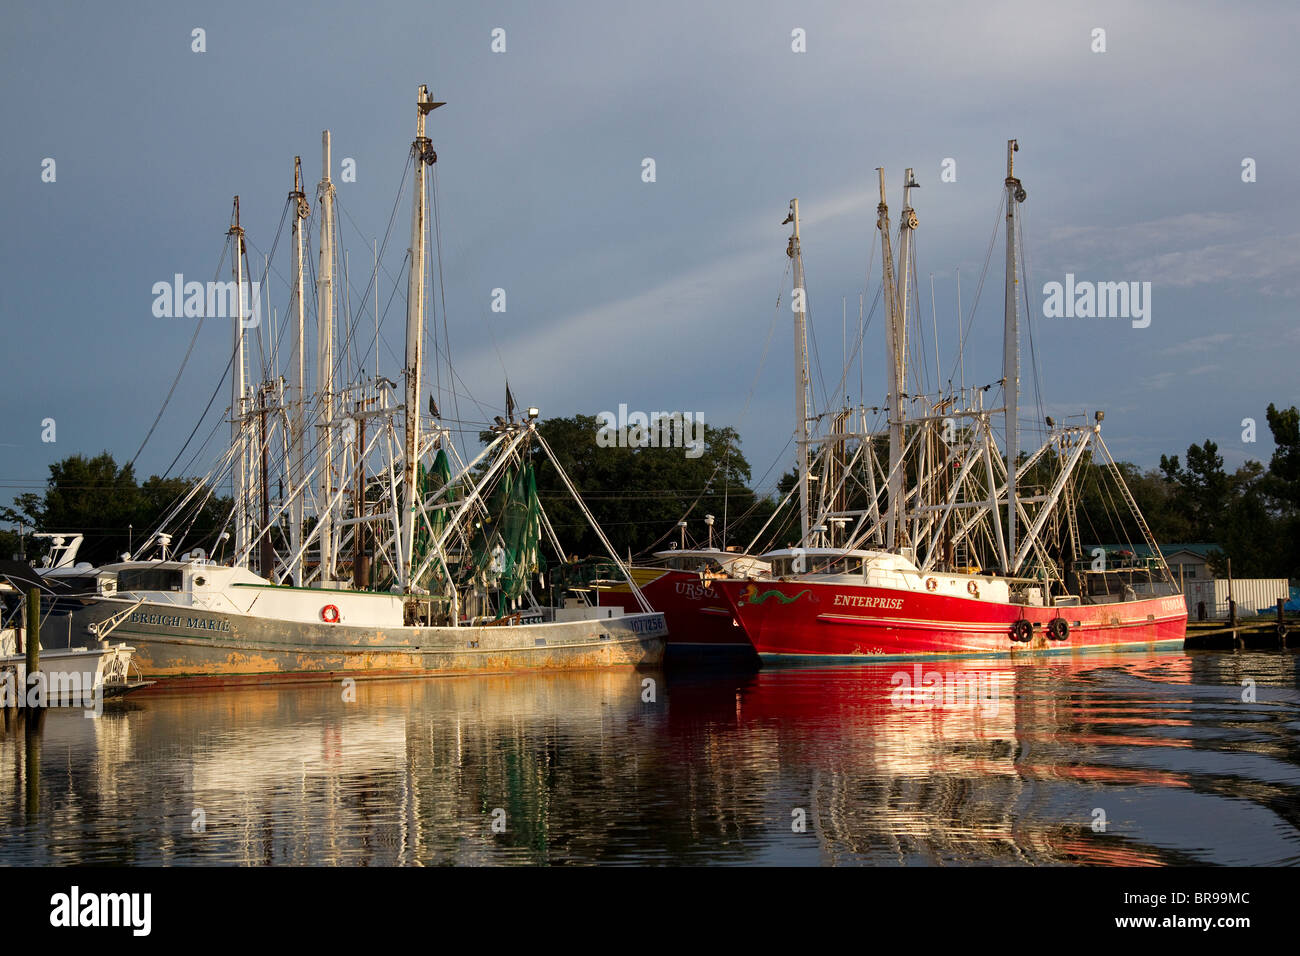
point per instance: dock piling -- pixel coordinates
(32, 640)
(33, 631)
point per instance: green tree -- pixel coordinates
(89, 496)
(637, 495)
(102, 501)
(1281, 487)
(1204, 488)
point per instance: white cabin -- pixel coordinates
(882, 569)
(713, 561)
(202, 585)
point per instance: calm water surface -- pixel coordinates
(1126, 759)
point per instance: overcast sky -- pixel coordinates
(658, 295)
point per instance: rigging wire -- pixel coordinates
(392, 216)
(916, 352)
(988, 255)
(198, 327)
(753, 386)
(1033, 355)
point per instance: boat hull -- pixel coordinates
(187, 646)
(812, 622)
(700, 623)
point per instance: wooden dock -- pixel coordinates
(1265, 632)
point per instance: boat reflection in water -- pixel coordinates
(1124, 759)
(1104, 759)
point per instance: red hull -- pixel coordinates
(805, 620)
(698, 616)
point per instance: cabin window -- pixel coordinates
(694, 564)
(844, 566)
(149, 579)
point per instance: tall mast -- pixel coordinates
(801, 372)
(297, 376)
(237, 379)
(1011, 351)
(422, 155)
(325, 361)
(896, 371)
(906, 224)
(266, 546)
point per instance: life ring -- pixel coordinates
(973, 588)
(1022, 632)
(931, 584)
(329, 614)
(1058, 629)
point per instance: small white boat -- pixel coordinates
(76, 676)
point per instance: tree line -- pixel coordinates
(96, 497)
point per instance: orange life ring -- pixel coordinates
(973, 588)
(329, 614)
(931, 584)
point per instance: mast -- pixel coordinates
(1011, 350)
(266, 547)
(237, 378)
(802, 375)
(894, 354)
(298, 377)
(360, 564)
(906, 224)
(422, 155)
(325, 361)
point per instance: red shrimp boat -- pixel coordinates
(895, 556)
(902, 612)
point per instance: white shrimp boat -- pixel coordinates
(384, 553)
